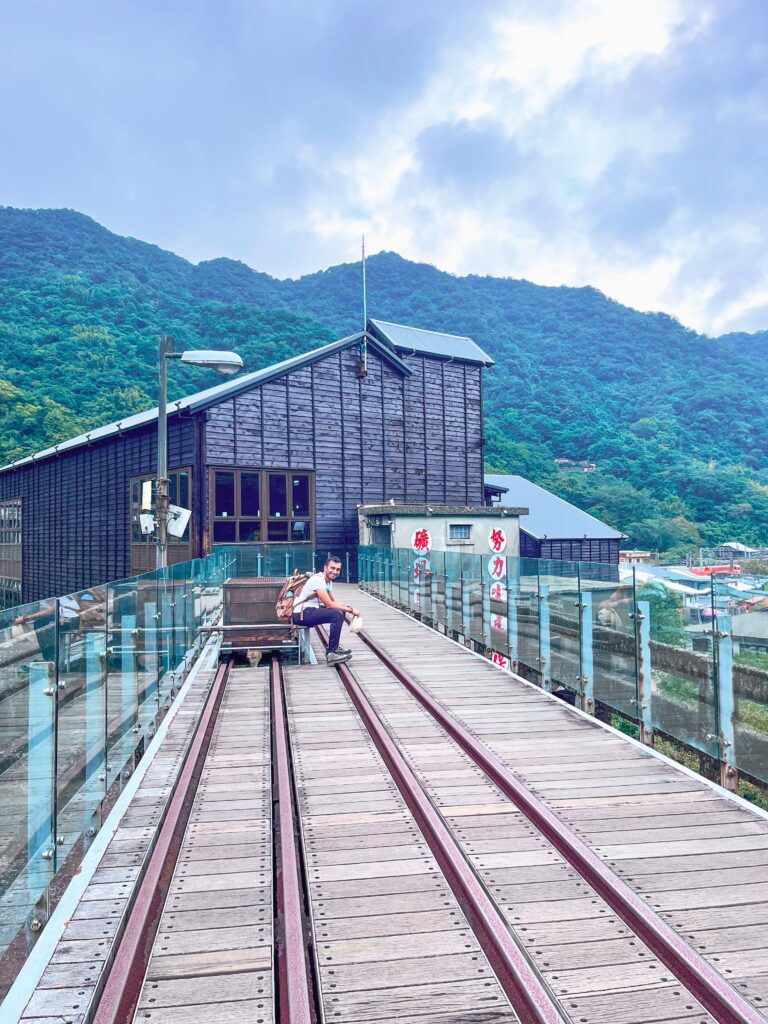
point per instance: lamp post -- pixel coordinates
(226, 363)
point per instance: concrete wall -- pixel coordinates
(404, 526)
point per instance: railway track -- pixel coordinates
(341, 848)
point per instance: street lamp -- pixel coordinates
(226, 363)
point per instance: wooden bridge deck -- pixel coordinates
(694, 854)
(389, 937)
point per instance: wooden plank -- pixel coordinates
(688, 851)
(213, 953)
(375, 904)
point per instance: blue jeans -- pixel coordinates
(311, 617)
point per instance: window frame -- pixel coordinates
(458, 541)
(10, 583)
(264, 519)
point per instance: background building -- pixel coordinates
(552, 527)
(460, 528)
(283, 455)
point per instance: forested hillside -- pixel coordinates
(675, 421)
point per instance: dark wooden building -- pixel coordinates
(283, 455)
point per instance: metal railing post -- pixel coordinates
(586, 653)
(512, 626)
(129, 677)
(465, 610)
(645, 681)
(485, 605)
(166, 649)
(636, 634)
(545, 640)
(41, 776)
(726, 705)
(151, 647)
(95, 726)
(433, 599)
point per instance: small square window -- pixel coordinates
(459, 531)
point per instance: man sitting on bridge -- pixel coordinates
(316, 606)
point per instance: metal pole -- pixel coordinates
(161, 486)
(727, 708)
(645, 680)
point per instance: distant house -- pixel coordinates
(575, 465)
(632, 556)
(553, 528)
(283, 455)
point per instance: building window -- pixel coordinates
(254, 506)
(459, 531)
(10, 553)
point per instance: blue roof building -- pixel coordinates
(554, 528)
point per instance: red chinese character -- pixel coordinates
(496, 592)
(500, 659)
(497, 568)
(497, 622)
(421, 540)
(497, 540)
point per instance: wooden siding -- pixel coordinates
(567, 550)
(76, 508)
(368, 439)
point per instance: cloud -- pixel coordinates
(619, 145)
(605, 142)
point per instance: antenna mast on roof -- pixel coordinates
(362, 366)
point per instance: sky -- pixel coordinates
(621, 144)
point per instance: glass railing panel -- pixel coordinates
(131, 699)
(179, 575)
(683, 670)
(453, 590)
(745, 644)
(497, 609)
(559, 607)
(524, 601)
(612, 604)
(82, 718)
(27, 701)
(472, 581)
(598, 631)
(400, 577)
(435, 585)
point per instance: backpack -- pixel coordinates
(288, 595)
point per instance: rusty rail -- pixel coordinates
(118, 1001)
(531, 999)
(293, 970)
(721, 999)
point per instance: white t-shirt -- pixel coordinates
(308, 597)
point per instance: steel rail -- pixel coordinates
(531, 1000)
(293, 971)
(120, 996)
(722, 1000)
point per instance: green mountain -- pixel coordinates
(674, 420)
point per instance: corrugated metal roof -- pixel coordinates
(202, 399)
(414, 339)
(550, 517)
